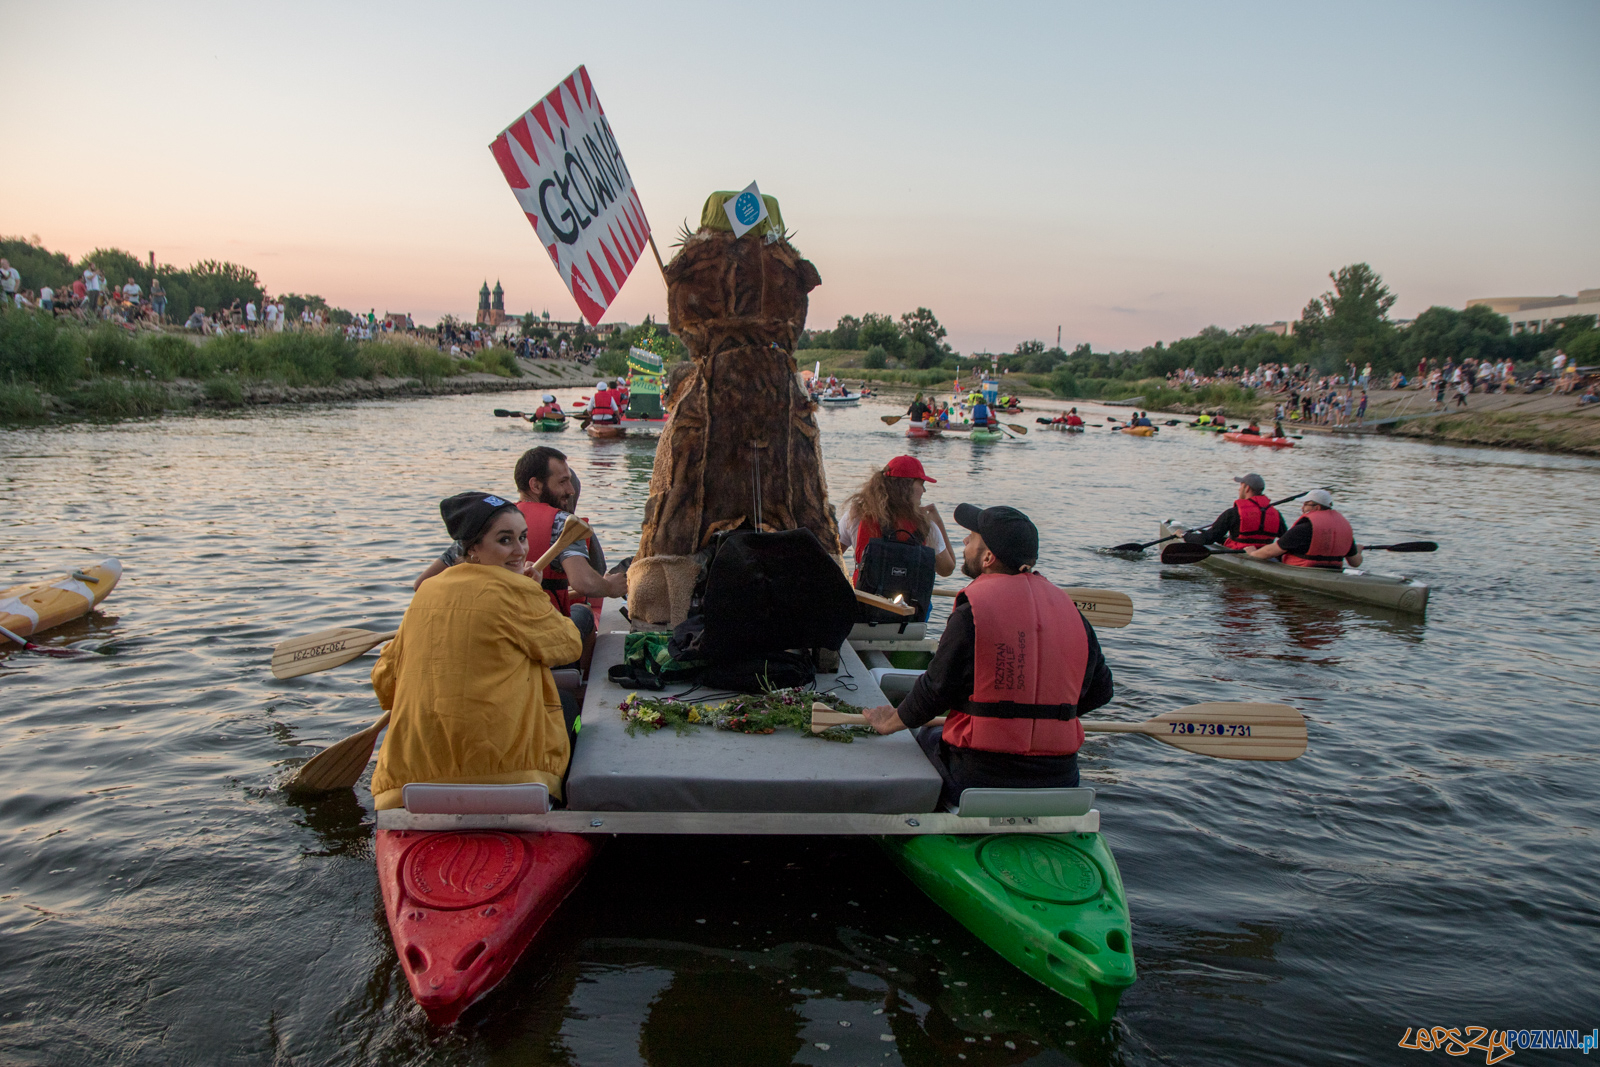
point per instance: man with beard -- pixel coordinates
(548, 492)
(1016, 666)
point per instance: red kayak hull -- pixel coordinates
(464, 904)
(918, 430)
(1257, 439)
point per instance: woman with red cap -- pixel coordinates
(895, 535)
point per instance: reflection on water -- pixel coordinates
(162, 901)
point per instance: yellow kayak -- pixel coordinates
(30, 609)
(1138, 431)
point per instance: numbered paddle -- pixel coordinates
(1102, 607)
(1220, 730)
(338, 766)
(327, 649)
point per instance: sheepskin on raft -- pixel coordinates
(738, 304)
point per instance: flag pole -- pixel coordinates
(657, 251)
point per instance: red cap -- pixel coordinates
(907, 467)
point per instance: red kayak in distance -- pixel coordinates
(464, 904)
(1257, 439)
(917, 429)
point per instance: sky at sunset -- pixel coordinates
(1129, 173)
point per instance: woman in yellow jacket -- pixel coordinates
(467, 678)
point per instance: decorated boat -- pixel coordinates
(1349, 583)
(923, 429)
(646, 372)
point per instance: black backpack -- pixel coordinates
(898, 565)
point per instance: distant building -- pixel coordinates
(1532, 314)
(492, 313)
(1281, 328)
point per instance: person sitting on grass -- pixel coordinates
(467, 678)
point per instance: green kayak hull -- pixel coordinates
(548, 425)
(986, 435)
(1051, 904)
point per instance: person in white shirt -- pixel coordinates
(131, 291)
(278, 320)
(10, 280)
(47, 299)
(250, 314)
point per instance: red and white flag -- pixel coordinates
(566, 171)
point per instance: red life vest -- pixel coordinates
(1030, 652)
(541, 520)
(605, 406)
(1331, 541)
(1073, 420)
(1259, 523)
(868, 529)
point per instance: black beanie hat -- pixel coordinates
(467, 515)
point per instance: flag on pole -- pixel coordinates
(746, 210)
(566, 171)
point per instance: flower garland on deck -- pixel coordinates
(762, 713)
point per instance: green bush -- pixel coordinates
(21, 402)
(611, 363)
(112, 397)
(34, 348)
(876, 358)
(224, 391)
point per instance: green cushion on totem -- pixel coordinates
(712, 216)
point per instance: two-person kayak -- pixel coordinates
(1357, 584)
(1258, 439)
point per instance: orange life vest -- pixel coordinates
(1030, 652)
(541, 520)
(1332, 540)
(1259, 523)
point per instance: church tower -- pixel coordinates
(483, 303)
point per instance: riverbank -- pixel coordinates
(118, 397)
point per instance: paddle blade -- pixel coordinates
(1407, 546)
(1014, 426)
(1183, 552)
(1126, 546)
(1233, 731)
(1103, 607)
(338, 766)
(323, 650)
(574, 529)
(502, 413)
(890, 420)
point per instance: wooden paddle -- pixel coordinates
(1014, 426)
(892, 606)
(43, 650)
(502, 413)
(890, 420)
(327, 649)
(1222, 730)
(338, 766)
(1102, 607)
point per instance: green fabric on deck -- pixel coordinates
(712, 217)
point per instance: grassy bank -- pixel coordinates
(50, 366)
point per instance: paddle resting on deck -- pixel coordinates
(1102, 607)
(1222, 730)
(1130, 546)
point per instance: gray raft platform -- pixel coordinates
(709, 781)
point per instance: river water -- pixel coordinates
(1430, 861)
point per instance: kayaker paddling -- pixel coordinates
(549, 408)
(900, 543)
(1322, 537)
(467, 678)
(1251, 522)
(1015, 667)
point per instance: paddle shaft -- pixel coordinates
(30, 646)
(338, 766)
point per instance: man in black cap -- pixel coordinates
(1016, 666)
(1252, 521)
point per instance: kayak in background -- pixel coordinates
(918, 429)
(1381, 590)
(30, 609)
(599, 430)
(1258, 439)
(986, 435)
(843, 398)
(548, 425)
(1139, 431)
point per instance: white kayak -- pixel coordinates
(1359, 584)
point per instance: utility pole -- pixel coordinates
(1058, 337)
